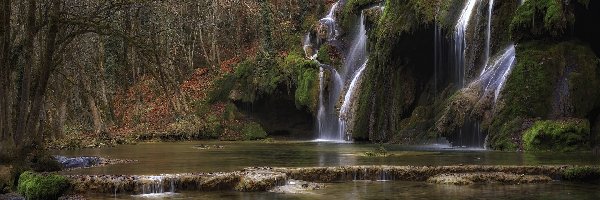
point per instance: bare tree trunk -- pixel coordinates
(4, 67)
(61, 118)
(47, 66)
(89, 98)
(24, 94)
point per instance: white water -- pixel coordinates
(460, 43)
(494, 75)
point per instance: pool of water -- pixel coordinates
(181, 157)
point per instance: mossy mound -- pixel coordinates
(564, 135)
(38, 186)
(549, 81)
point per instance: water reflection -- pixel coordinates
(168, 158)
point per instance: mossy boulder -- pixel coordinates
(558, 135)
(42, 186)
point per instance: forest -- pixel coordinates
(299, 99)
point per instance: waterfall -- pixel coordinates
(331, 124)
(460, 43)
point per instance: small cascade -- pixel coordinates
(309, 49)
(345, 110)
(488, 31)
(460, 42)
(151, 185)
(330, 23)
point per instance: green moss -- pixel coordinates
(503, 139)
(584, 174)
(37, 186)
(253, 131)
(567, 135)
(538, 19)
(308, 89)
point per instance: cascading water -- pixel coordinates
(156, 185)
(331, 124)
(460, 42)
(494, 75)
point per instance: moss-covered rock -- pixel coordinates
(563, 135)
(39, 186)
(582, 173)
(253, 131)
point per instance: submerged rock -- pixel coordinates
(206, 147)
(69, 163)
(297, 187)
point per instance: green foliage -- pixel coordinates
(527, 23)
(36, 186)
(308, 89)
(584, 174)
(568, 135)
(502, 140)
(253, 131)
(222, 89)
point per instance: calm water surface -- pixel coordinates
(181, 157)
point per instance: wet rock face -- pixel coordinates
(496, 177)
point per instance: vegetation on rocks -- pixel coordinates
(42, 186)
